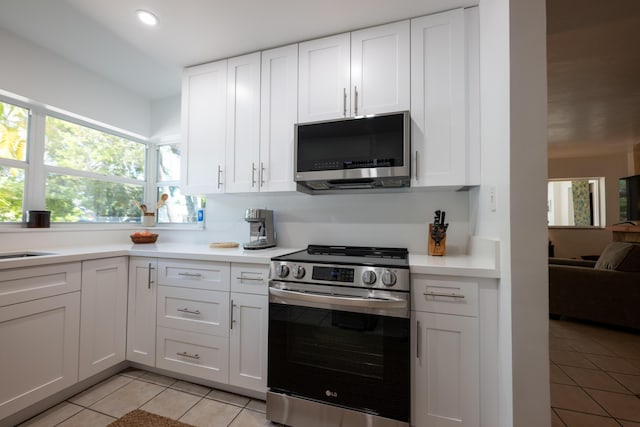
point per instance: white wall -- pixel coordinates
(513, 122)
(35, 73)
(573, 243)
(165, 118)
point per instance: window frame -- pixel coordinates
(35, 170)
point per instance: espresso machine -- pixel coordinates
(261, 234)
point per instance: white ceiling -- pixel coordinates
(106, 37)
(593, 53)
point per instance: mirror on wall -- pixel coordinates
(576, 202)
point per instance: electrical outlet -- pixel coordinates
(492, 198)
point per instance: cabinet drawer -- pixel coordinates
(30, 283)
(190, 353)
(250, 278)
(445, 295)
(194, 274)
(194, 310)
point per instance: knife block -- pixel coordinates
(439, 248)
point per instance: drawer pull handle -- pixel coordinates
(186, 310)
(439, 294)
(190, 356)
(190, 274)
(255, 279)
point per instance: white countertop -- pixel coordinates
(453, 265)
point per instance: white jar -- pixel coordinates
(148, 219)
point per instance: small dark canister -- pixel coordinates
(38, 219)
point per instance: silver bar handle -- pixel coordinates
(355, 103)
(442, 294)
(261, 174)
(344, 101)
(190, 356)
(190, 274)
(219, 174)
(255, 279)
(418, 339)
(149, 281)
(345, 301)
(417, 175)
(253, 174)
(231, 321)
(186, 310)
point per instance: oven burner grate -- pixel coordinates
(360, 251)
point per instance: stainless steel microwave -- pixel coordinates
(370, 152)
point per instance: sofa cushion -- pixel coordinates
(620, 256)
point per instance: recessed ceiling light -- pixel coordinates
(147, 17)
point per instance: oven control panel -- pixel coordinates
(374, 277)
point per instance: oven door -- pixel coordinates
(339, 354)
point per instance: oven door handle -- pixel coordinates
(345, 301)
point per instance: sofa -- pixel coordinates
(605, 291)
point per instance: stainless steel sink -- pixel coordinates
(23, 255)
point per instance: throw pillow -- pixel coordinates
(620, 256)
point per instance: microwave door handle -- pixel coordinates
(344, 301)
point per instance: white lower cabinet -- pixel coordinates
(446, 352)
(141, 311)
(248, 341)
(103, 315)
(38, 350)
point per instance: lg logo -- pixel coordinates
(330, 393)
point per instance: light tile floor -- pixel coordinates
(595, 376)
(131, 389)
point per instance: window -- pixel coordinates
(178, 208)
(14, 125)
(85, 172)
(576, 202)
(91, 176)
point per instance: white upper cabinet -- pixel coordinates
(324, 78)
(243, 124)
(353, 74)
(444, 101)
(204, 108)
(380, 79)
(278, 115)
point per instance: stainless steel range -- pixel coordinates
(339, 338)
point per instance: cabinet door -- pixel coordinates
(446, 390)
(103, 319)
(278, 115)
(141, 318)
(438, 100)
(380, 65)
(38, 350)
(204, 98)
(248, 341)
(324, 79)
(243, 124)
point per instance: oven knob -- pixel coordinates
(282, 271)
(298, 271)
(389, 278)
(369, 277)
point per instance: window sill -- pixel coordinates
(18, 228)
(570, 227)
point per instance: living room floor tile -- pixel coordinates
(589, 346)
(570, 358)
(578, 419)
(558, 376)
(613, 364)
(592, 378)
(625, 423)
(555, 420)
(623, 406)
(575, 399)
(561, 344)
(631, 382)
